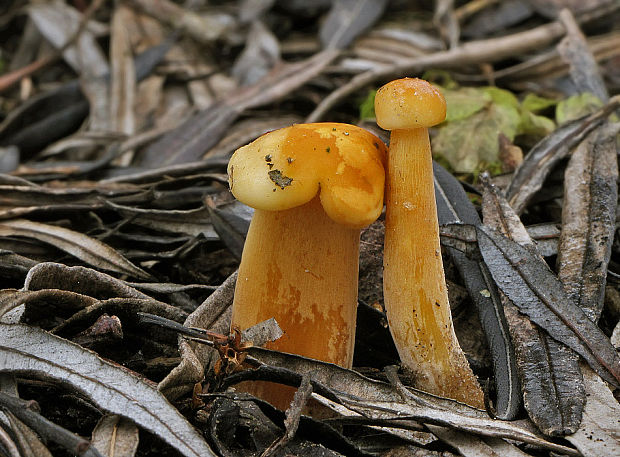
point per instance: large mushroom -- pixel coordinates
(415, 293)
(313, 187)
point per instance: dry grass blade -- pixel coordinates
(81, 246)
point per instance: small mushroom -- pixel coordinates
(313, 187)
(414, 286)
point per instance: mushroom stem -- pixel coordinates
(300, 267)
(415, 293)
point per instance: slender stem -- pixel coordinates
(415, 291)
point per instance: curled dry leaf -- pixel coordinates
(213, 314)
(32, 351)
(81, 280)
(589, 219)
(454, 206)
(527, 280)
(529, 177)
(553, 392)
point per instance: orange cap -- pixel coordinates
(288, 167)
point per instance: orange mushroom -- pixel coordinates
(415, 293)
(313, 187)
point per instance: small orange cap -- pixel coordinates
(409, 103)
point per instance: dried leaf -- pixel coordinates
(58, 22)
(598, 433)
(589, 219)
(263, 332)
(527, 281)
(81, 280)
(260, 55)
(529, 177)
(194, 222)
(115, 436)
(81, 246)
(213, 314)
(380, 401)
(347, 19)
(30, 350)
(553, 392)
(454, 206)
(231, 222)
(584, 70)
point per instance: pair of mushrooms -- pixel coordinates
(314, 186)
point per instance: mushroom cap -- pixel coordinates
(288, 167)
(409, 103)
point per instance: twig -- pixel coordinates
(47, 429)
(293, 415)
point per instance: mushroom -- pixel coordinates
(414, 286)
(313, 187)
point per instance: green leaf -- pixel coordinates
(367, 107)
(501, 96)
(576, 106)
(463, 103)
(468, 142)
(441, 78)
(535, 125)
(536, 103)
